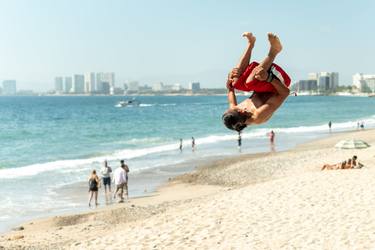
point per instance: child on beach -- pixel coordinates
(94, 184)
(267, 80)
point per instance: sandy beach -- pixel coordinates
(263, 201)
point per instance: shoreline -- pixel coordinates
(209, 180)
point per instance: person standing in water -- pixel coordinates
(329, 125)
(180, 144)
(126, 186)
(106, 176)
(120, 181)
(94, 184)
(239, 140)
(193, 144)
(272, 137)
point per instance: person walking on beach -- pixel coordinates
(329, 125)
(119, 177)
(269, 83)
(94, 184)
(180, 144)
(192, 144)
(126, 168)
(106, 177)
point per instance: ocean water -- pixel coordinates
(48, 143)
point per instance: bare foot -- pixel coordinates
(275, 44)
(250, 37)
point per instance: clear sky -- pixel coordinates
(179, 41)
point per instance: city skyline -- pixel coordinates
(179, 42)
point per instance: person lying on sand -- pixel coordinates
(334, 166)
(356, 164)
(267, 80)
(350, 164)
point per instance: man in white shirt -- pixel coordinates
(106, 177)
(120, 181)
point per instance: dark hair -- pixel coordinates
(122, 161)
(234, 120)
(354, 157)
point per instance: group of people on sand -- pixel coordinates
(349, 164)
(120, 179)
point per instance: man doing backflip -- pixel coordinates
(267, 80)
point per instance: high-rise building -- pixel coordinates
(194, 86)
(334, 84)
(106, 88)
(101, 78)
(78, 84)
(110, 77)
(307, 86)
(324, 82)
(68, 84)
(90, 82)
(157, 87)
(59, 84)
(364, 83)
(327, 81)
(9, 87)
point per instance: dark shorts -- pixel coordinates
(107, 181)
(95, 189)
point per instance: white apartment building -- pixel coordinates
(158, 86)
(90, 83)
(364, 82)
(59, 84)
(68, 84)
(103, 79)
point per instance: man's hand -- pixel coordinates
(232, 77)
(229, 84)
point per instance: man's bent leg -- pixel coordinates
(126, 190)
(245, 59)
(260, 72)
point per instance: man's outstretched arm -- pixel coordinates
(232, 100)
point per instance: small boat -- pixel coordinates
(128, 103)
